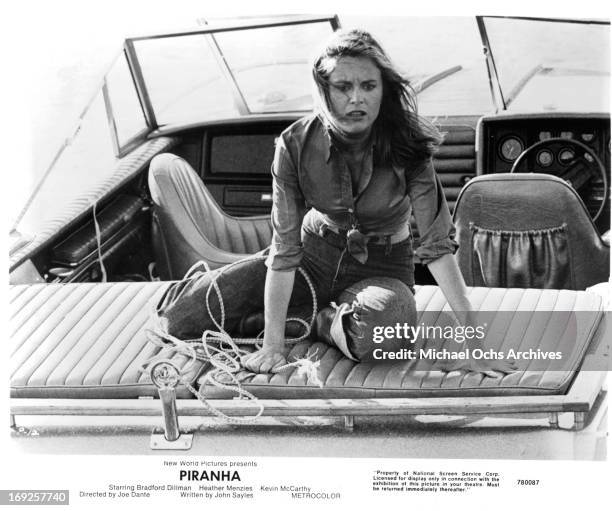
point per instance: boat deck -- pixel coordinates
(509, 436)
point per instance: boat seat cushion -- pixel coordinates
(527, 230)
(89, 341)
(189, 226)
(343, 378)
(84, 340)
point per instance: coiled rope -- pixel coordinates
(222, 351)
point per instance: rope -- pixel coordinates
(223, 352)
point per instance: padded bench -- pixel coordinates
(89, 341)
(566, 321)
(84, 340)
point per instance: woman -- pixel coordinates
(346, 181)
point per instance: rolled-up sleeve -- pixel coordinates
(436, 229)
(288, 209)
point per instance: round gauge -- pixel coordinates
(545, 135)
(566, 155)
(587, 137)
(510, 148)
(545, 158)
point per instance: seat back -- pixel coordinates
(189, 225)
(527, 231)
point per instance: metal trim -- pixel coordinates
(159, 442)
(491, 68)
(239, 100)
(132, 143)
(554, 20)
(332, 20)
(141, 88)
(110, 117)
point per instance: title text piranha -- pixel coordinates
(209, 475)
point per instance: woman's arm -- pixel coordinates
(437, 245)
(448, 276)
(288, 209)
(279, 285)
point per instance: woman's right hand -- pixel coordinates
(265, 360)
(279, 285)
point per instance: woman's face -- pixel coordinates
(355, 94)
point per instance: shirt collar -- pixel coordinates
(330, 143)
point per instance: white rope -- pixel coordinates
(223, 352)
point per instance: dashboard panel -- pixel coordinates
(234, 159)
(501, 139)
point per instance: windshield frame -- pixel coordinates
(121, 149)
(239, 100)
(500, 100)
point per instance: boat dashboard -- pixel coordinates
(233, 158)
(574, 147)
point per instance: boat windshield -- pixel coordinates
(551, 65)
(228, 70)
(216, 74)
(220, 74)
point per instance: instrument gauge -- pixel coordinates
(587, 137)
(545, 135)
(545, 158)
(511, 148)
(566, 134)
(566, 156)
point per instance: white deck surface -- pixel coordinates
(508, 437)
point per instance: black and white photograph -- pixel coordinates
(306, 255)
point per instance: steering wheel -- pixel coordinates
(579, 172)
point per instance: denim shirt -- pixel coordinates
(309, 172)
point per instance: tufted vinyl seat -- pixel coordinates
(89, 341)
(189, 225)
(84, 340)
(527, 230)
(521, 328)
